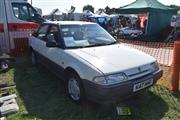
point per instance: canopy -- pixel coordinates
(87, 12)
(153, 4)
(159, 15)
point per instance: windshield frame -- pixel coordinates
(77, 47)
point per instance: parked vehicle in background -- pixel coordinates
(93, 63)
(175, 21)
(17, 20)
(129, 32)
(175, 33)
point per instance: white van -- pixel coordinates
(17, 20)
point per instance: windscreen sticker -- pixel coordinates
(82, 43)
(69, 41)
(65, 30)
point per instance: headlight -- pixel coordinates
(100, 80)
(155, 66)
(111, 79)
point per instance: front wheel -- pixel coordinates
(75, 89)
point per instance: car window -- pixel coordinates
(87, 35)
(53, 33)
(32, 12)
(42, 32)
(23, 11)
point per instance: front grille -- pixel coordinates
(138, 72)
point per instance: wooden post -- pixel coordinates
(176, 66)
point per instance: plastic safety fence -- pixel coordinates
(163, 52)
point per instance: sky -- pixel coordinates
(63, 5)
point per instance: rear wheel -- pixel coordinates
(74, 88)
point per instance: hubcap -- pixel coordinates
(73, 89)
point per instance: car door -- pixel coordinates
(39, 41)
(54, 55)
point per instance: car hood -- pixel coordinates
(113, 58)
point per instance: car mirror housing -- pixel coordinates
(36, 15)
(35, 34)
(37, 18)
(51, 44)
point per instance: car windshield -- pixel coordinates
(88, 35)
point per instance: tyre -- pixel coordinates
(75, 89)
(33, 58)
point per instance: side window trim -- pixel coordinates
(61, 38)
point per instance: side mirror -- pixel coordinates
(35, 34)
(51, 44)
(37, 18)
(36, 15)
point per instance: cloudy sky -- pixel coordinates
(63, 5)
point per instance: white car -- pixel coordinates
(126, 31)
(92, 62)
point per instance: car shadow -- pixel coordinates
(44, 97)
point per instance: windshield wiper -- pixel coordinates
(112, 43)
(101, 44)
(95, 45)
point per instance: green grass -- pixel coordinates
(43, 96)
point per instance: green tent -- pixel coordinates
(159, 15)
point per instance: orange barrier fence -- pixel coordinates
(164, 54)
(176, 67)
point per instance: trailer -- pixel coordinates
(18, 19)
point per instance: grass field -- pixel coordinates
(42, 96)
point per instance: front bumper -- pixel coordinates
(112, 93)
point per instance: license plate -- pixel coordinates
(142, 85)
